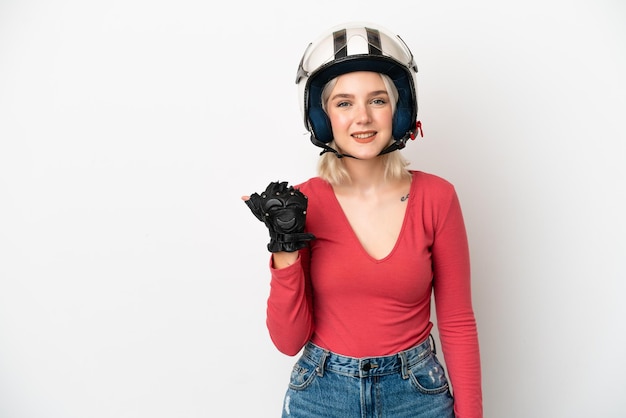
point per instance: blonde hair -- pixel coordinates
(332, 169)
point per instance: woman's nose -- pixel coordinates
(363, 114)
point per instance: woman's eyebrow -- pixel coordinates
(347, 95)
(340, 96)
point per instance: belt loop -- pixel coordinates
(433, 346)
(404, 368)
(322, 363)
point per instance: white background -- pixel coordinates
(133, 280)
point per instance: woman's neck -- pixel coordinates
(368, 176)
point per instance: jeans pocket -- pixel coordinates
(428, 376)
(302, 375)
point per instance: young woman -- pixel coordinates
(359, 250)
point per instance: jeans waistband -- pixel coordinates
(368, 366)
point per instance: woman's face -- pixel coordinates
(360, 114)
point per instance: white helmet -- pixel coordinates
(357, 47)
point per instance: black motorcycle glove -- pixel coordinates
(283, 210)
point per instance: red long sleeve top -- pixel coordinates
(344, 300)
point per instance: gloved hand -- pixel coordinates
(283, 210)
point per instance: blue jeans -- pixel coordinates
(410, 384)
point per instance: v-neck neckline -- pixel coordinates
(355, 237)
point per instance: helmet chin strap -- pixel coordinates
(398, 144)
(395, 146)
(321, 144)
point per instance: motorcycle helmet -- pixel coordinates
(352, 47)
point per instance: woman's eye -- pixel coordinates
(379, 101)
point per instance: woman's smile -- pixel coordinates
(364, 137)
